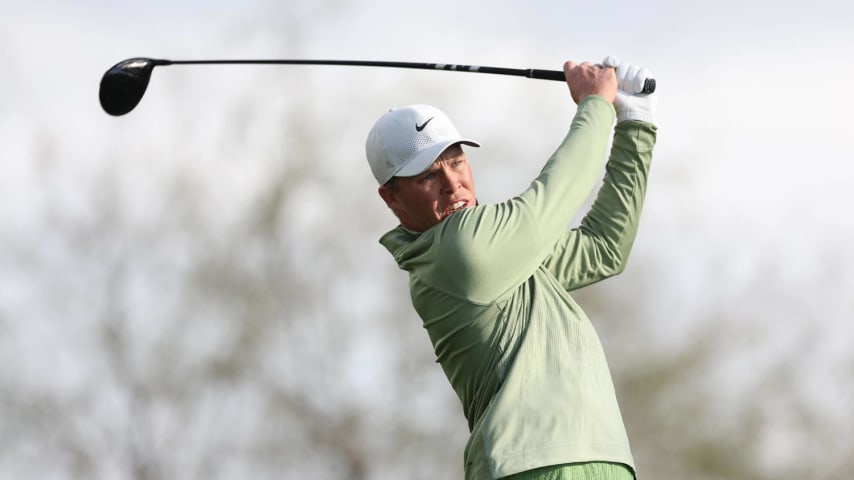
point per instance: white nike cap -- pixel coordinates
(407, 140)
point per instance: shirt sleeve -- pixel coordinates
(485, 251)
(600, 246)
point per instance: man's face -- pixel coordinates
(427, 198)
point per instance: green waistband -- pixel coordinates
(577, 471)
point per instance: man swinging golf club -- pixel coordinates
(491, 282)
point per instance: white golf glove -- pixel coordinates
(630, 103)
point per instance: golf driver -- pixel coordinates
(123, 85)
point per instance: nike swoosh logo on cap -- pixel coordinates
(418, 128)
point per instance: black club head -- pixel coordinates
(123, 85)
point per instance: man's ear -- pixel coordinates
(388, 196)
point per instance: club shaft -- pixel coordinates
(519, 72)
(123, 85)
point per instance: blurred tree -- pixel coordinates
(215, 346)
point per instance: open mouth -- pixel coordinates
(456, 207)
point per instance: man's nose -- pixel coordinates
(450, 181)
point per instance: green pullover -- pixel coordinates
(491, 284)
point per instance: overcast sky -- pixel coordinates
(752, 155)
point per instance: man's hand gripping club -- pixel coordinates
(586, 79)
(630, 103)
(618, 82)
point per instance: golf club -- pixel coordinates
(123, 85)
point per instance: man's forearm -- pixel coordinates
(600, 247)
(573, 170)
(613, 218)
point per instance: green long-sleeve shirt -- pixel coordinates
(491, 285)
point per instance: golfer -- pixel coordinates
(491, 282)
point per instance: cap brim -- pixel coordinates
(429, 155)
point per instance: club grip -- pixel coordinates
(648, 85)
(546, 74)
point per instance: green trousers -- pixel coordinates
(577, 471)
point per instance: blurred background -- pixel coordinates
(195, 290)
